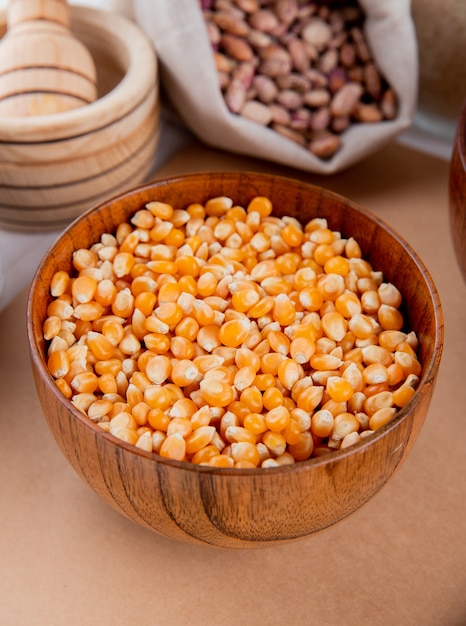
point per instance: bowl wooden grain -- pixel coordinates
(54, 167)
(241, 508)
(458, 192)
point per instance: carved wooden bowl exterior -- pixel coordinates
(241, 508)
(458, 192)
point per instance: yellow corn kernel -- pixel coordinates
(311, 298)
(389, 317)
(158, 437)
(361, 325)
(292, 433)
(372, 390)
(144, 441)
(261, 205)
(158, 419)
(323, 252)
(101, 346)
(309, 398)
(105, 292)
(84, 382)
(334, 325)
(303, 448)
(59, 363)
(123, 263)
(157, 397)
(408, 363)
(203, 313)
(64, 387)
(289, 372)
(123, 304)
(125, 434)
(402, 395)
(337, 265)
(286, 263)
(350, 439)
(88, 311)
(284, 311)
(51, 327)
(158, 369)
(245, 452)
(255, 423)
(252, 398)
(83, 258)
(277, 419)
(160, 230)
(157, 342)
(129, 344)
(233, 332)
(219, 460)
(263, 306)
(188, 328)
(183, 407)
(382, 417)
(244, 377)
(107, 383)
(331, 286)
(181, 425)
(169, 313)
(244, 299)
(235, 433)
(378, 401)
(173, 447)
(375, 373)
(244, 357)
(322, 423)
(302, 349)
(83, 289)
(222, 373)
(278, 341)
(59, 283)
(236, 301)
(60, 308)
(162, 210)
(272, 398)
(140, 412)
(216, 392)
(339, 389)
(348, 304)
(344, 424)
(325, 362)
(199, 438)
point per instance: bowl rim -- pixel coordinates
(427, 378)
(142, 75)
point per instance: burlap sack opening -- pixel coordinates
(189, 79)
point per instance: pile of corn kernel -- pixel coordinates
(225, 336)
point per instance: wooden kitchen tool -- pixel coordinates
(44, 68)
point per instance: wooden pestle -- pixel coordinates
(44, 68)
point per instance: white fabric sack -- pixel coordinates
(188, 74)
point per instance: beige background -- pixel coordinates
(67, 559)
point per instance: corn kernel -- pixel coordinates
(225, 336)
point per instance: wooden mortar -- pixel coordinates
(44, 68)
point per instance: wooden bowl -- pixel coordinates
(241, 508)
(54, 167)
(458, 192)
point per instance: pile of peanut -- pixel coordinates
(302, 68)
(223, 335)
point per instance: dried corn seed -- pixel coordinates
(230, 336)
(173, 447)
(381, 417)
